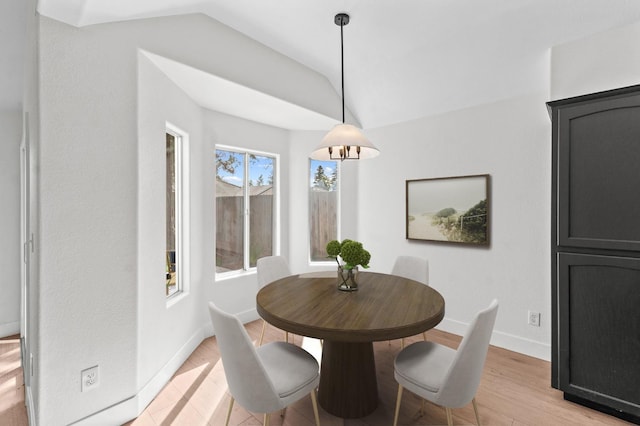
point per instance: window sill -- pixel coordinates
(224, 276)
(176, 298)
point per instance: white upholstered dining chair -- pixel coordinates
(270, 269)
(412, 267)
(446, 376)
(415, 268)
(264, 379)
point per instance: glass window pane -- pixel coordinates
(171, 189)
(229, 210)
(323, 207)
(260, 207)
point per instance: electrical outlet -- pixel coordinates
(90, 378)
(534, 318)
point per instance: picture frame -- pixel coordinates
(449, 209)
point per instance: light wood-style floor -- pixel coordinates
(12, 409)
(514, 391)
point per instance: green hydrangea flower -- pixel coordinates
(351, 252)
(333, 248)
(345, 241)
(366, 257)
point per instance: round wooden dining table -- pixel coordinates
(384, 307)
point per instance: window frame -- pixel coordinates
(246, 152)
(338, 189)
(181, 142)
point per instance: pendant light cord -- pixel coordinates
(342, 65)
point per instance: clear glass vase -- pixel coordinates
(347, 279)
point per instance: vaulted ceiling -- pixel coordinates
(403, 59)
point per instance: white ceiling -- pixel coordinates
(403, 59)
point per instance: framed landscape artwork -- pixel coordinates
(452, 209)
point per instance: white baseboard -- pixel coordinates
(244, 317)
(248, 315)
(131, 408)
(9, 329)
(155, 385)
(500, 339)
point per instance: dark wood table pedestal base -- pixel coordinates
(348, 386)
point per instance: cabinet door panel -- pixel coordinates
(599, 174)
(599, 326)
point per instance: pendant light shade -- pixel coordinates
(344, 141)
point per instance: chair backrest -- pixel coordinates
(247, 379)
(461, 381)
(412, 267)
(271, 268)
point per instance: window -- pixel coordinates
(174, 219)
(245, 208)
(323, 207)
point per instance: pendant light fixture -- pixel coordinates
(344, 141)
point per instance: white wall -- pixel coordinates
(13, 18)
(508, 140)
(511, 141)
(10, 247)
(600, 62)
(31, 330)
(88, 223)
(167, 330)
(98, 199)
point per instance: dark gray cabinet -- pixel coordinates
(596, 250)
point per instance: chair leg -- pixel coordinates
(422, 408)
(264, 325)
(286, 336)
(314, 402)
(475, 409)
(395, 417)
(424, 335)
(402, 343)
(267, 418)
(226, 423)
(449, 416)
